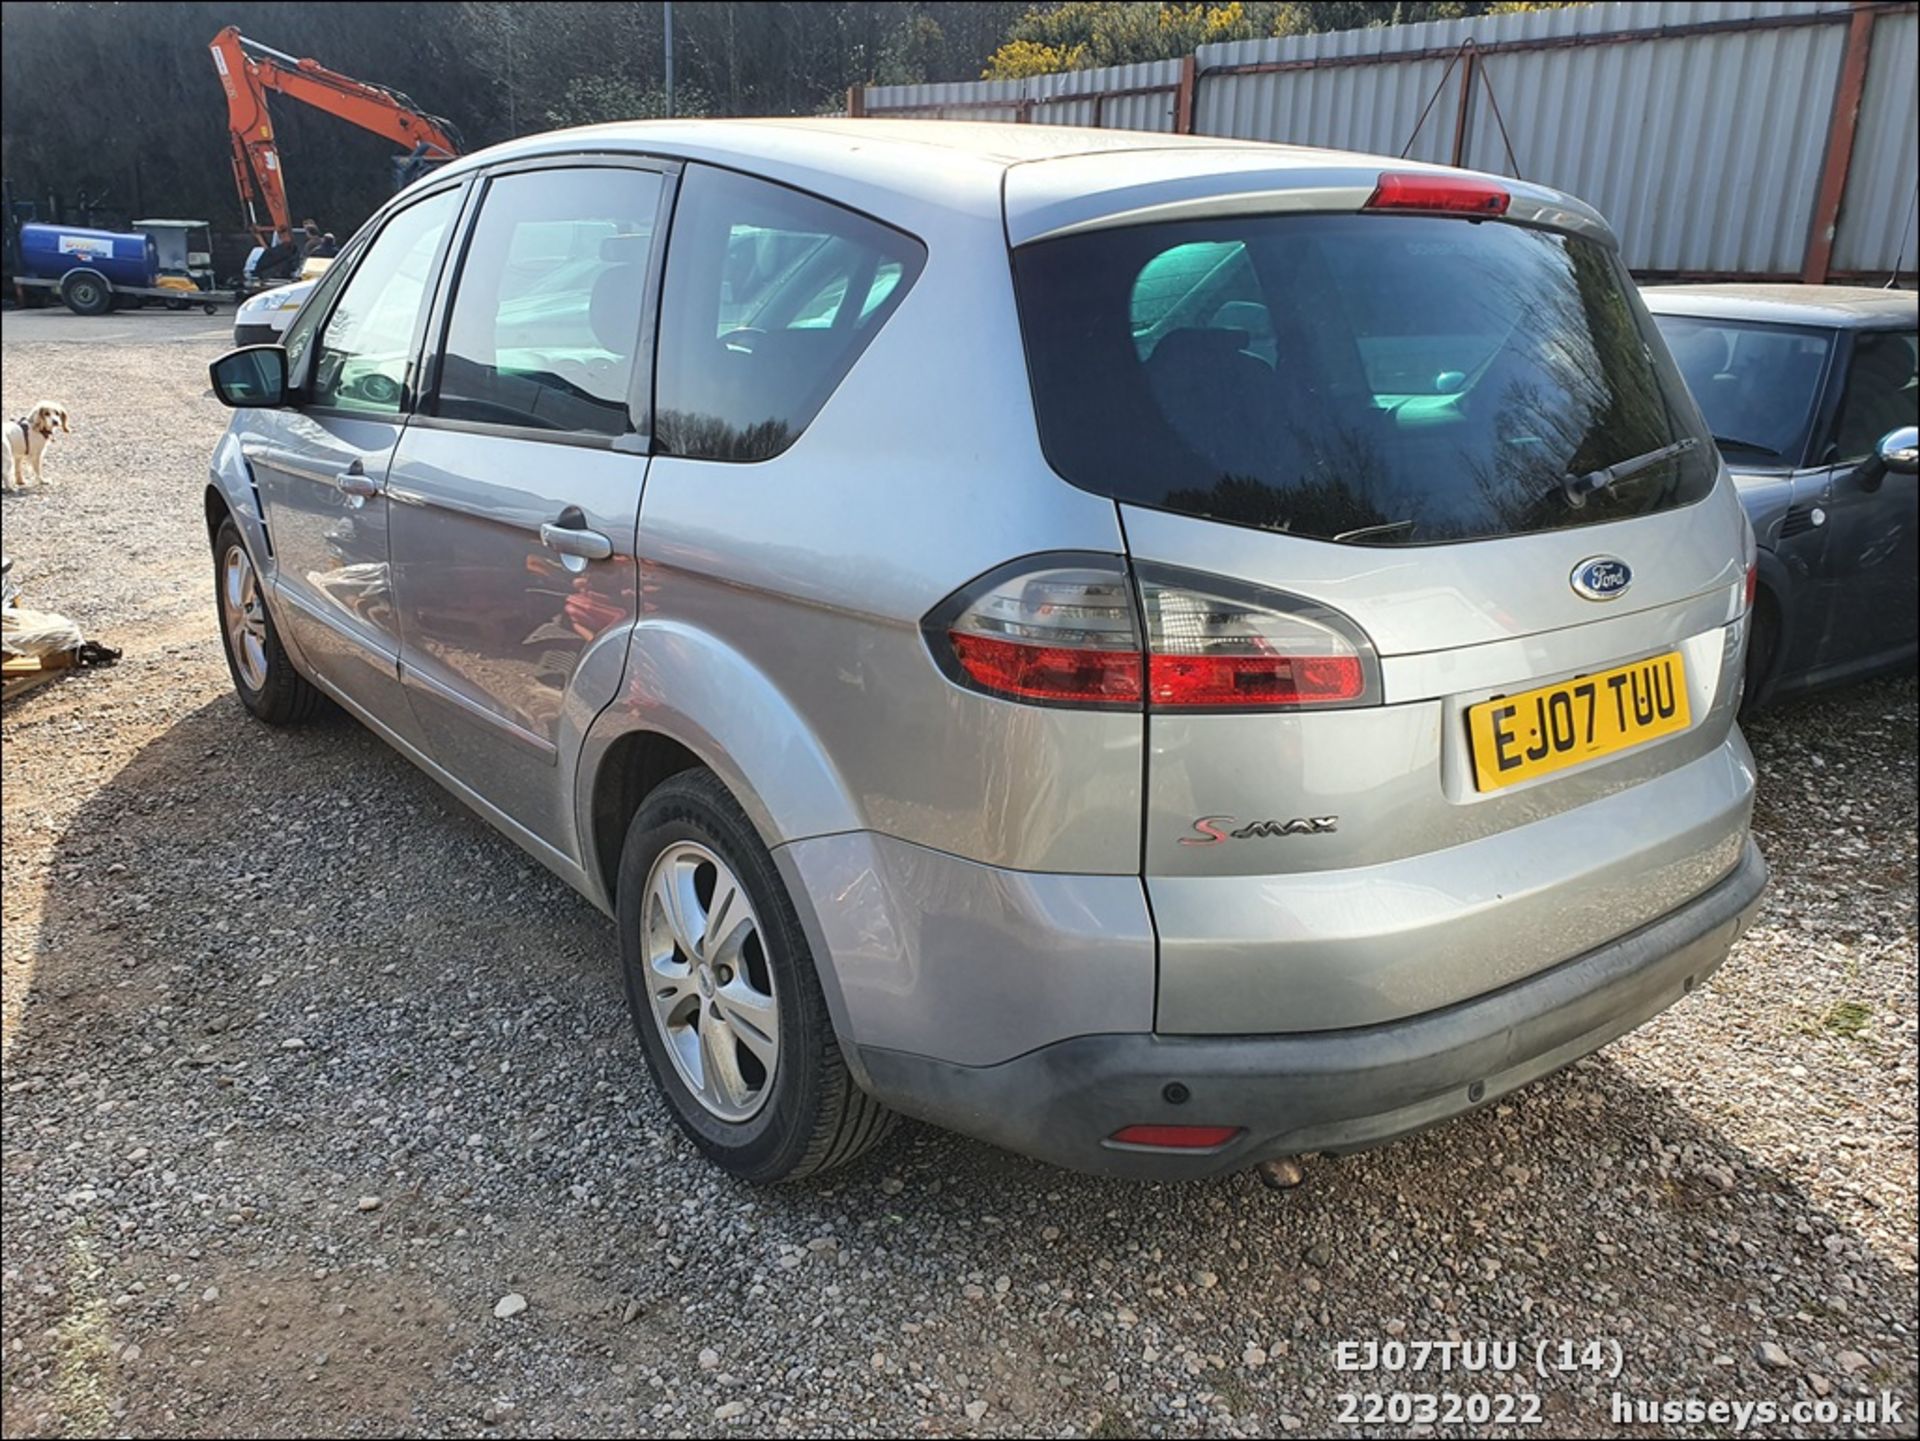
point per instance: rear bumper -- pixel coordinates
(1328, 1090)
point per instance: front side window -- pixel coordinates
(1757, 385)
(545, 329)
(770, 297)
(1880, 393)
(1368, 379)
(364, 350)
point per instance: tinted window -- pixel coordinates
(362, 358)
(545, 326)
(1756, 384)
(770, 297)
(1383, 380)
(1880, 393)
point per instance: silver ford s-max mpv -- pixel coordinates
(1160, 653)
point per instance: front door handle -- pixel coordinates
(570, 540)
(356, 483)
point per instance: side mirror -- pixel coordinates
(1897, 453)
(251, 378)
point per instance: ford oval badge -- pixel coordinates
(1602, 577)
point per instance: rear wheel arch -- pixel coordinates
(633, 766)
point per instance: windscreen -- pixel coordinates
(1370, 379)
(1756, 384)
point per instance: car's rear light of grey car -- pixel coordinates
(1059, 630)
(1064, 630)
(1215, 645)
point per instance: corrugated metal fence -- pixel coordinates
(1759, 138)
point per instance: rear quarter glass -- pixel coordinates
(1376, 379)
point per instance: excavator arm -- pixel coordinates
(249, 70)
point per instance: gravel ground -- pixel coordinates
(322, 1114)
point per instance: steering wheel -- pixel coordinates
(742, 338)
(376, 389)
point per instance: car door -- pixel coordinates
(321, 464)
(1865, 598)
(516, 489)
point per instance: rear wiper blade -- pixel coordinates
(1384, 528)
(1723, 441)
(1577, 488)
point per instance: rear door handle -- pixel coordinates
(569, 540)
(355, 482)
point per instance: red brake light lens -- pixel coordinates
(1753, 583)
(1438, 192)
(1280, 680)
(1048, 672)
(1175, 1138)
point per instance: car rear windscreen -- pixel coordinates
(1372, 379)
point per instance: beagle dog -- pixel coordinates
(27, 439)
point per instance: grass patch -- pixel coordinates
(1847, 1018)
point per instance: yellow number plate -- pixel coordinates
(1537, 732)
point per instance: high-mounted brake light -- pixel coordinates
(1063, 630)
(1444, 194)
(1175, 1138)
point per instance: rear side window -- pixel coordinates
(770, 297)
(545, 326)
(1370, 379)
(1880, 394)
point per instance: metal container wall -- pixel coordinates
(1705, 149)
(1877, 229)
(952, 100)
(1371, 107)
(1001, 99)
(1122, 112)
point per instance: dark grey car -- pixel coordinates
(1810, 392)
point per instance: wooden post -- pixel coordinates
(1183, 96)
(1840, 134)
(856, 102)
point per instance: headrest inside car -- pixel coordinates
(625, 249)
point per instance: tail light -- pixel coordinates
(1438, 192)
(1060, 631)
(1064, 630)
(1212, 645)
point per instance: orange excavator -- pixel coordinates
(249, 70)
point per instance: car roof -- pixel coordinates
(1041, 178)
(1833, 306)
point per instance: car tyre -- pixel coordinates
(806, 1114)
(263, 674)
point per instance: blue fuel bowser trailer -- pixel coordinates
(92, 271)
